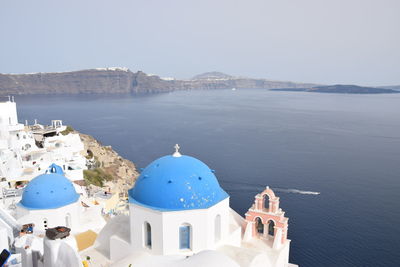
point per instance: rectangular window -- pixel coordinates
(184, 237)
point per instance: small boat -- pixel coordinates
(233, 89)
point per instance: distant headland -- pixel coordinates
(123, 81)
(341, 89)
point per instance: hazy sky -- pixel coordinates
(324, 41)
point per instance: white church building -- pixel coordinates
(49, 200)
(179, 208)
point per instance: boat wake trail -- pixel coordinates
(296, 191)
(241, 187)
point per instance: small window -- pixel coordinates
(184, 237)
(147, 234)
(217, 228)
(68, 220)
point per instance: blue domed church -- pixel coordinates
(49, 200)
(178, 207)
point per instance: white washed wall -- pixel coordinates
(55, 217)
(165, 228)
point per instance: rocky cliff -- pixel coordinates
(76, 82)
(123, 81)
(108, 165)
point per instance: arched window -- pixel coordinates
(271, 227)
(68, 220)
(259, 226)
(185, 236)
(266, 202)
(147, 234)
(217, 229)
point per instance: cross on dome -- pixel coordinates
(177, 154)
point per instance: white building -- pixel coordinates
(25, 151)
(10, 160)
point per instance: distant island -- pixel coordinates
(394, 87)
(213, 75)
(123, 81)
(341, 89)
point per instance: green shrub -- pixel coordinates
(68, 130)
(96, 177)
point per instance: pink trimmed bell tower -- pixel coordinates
(266, 220)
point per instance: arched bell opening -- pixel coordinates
(259, 226)
(271, 228)
(266, 202)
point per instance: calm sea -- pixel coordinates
(347, 147)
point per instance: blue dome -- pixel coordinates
(177, 183)
(48, 191)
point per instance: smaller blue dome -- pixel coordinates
(48, 191)
(54, 168)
